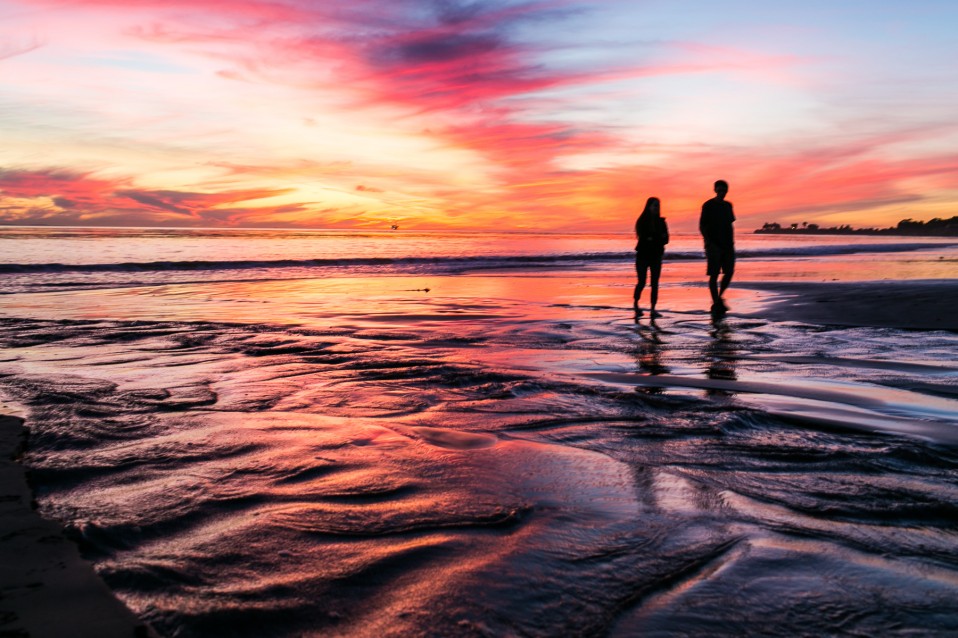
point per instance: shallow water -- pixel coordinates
(496, 453)
(499, 474)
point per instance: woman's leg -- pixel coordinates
(637, 294)
(655, 269)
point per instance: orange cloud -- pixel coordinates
(64, 197)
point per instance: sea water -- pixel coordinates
(36, 258)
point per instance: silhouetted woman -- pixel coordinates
(652, 234)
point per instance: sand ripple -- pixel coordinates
(583, 478)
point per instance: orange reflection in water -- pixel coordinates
(370, 301)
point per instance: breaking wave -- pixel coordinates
(445, 264)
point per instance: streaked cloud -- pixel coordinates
(62, 197)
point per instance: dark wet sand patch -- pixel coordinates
(907, 305)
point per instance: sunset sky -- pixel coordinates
(553, 115)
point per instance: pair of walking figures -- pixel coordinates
(652, 235)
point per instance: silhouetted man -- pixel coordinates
(715, 224)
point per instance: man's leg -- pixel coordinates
(713, 288)
(728, 269)
(726, 280)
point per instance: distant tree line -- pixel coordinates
(934, 227)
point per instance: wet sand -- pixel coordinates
(907, 305)
(46, 589)
(49, 591)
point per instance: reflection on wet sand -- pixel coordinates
(720, 353)
(649, 351)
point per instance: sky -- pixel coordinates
(546, 115)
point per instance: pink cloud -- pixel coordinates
(62, 196)
(11, 48)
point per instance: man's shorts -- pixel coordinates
(720, 259)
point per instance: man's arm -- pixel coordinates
(704, 226)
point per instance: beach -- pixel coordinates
(490, 443)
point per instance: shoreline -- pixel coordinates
(48, 589)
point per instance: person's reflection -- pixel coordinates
(648, 353)
(720, 354)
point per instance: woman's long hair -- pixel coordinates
(646, 221)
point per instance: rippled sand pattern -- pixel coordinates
(495, 478)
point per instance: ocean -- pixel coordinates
(33, 258)
(347, 433)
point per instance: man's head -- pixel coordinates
(721, 188)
